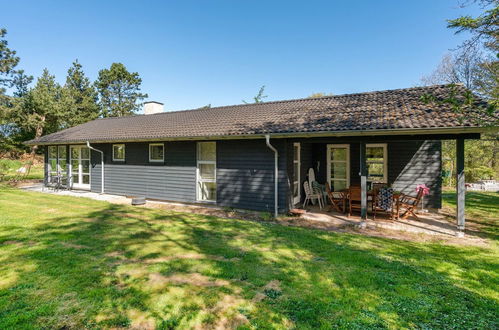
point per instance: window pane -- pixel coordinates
(339, 154)
(85, 166)
(74, 153)
(74, 166)
(85, 153)
(119, 152)
(375, 172)
(337, 185)
(208, 191)
(207, 171)
(295, 171)
(53, 165)
(156, 152)
(86, 179)
(62, 165)
(338, 170)
(62, 152)
(296, 152)
(75, 178)
(207, 151)
(374, 153)
(52, 152)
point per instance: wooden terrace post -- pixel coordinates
(363, 184)
(460, 187)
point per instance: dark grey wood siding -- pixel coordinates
(245, 174)
(416, 162)
(174, 179)
(245, 170)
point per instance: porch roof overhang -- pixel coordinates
(443, 133)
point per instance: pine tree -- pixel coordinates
(79, 98)
(119, 91)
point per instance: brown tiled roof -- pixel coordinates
(384, 110)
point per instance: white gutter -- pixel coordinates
(332, 134)
(101, 166)
(276, 174)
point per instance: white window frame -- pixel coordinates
(124, 152)
(297, 199)
(199, 179)
(346, 161)
(385, 159)
(156, 145)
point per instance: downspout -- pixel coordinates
(276, 174)
(101, 166)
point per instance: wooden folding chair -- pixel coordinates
(337, 199)
(354, 199)
(410, 204)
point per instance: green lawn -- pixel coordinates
(70, 263)
(8, 167)
(482, 212)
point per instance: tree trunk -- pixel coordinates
(38, 133)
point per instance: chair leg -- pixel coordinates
(319, 201)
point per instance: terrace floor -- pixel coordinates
(426, 223)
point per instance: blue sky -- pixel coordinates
(193, 53)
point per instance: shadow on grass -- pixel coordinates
(81, 275)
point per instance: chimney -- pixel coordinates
(152, 107)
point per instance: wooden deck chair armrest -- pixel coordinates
(406, 198)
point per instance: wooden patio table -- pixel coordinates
(370, 193)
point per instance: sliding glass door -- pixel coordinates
(80, 167)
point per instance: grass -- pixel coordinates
(70, 262)
(10, 166)
(482, 212)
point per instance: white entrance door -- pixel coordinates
(338, 166)
(296, 172)
(80, 167)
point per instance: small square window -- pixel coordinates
(156, 152)
(118, 152)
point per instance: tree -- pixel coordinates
(119, 91)
(39, 111)
(21, 82)
(8, 61)
(259, 97)
(483, 28)
(79, 97)
(470, 67)
(317, 95)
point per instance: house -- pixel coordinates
(256, 156)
